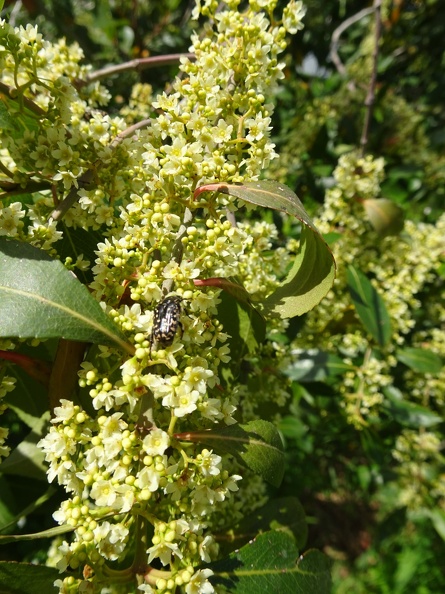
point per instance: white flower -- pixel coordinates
(207, 543)
(148, 478)
(292, 16)
(184, 401)
(112, 539)
(196, 378)
(10, 217)
(146, 588)
(209, 463)
(156, 442)
(199, 584)
(104, 493)
(64, 412)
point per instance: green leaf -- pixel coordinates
(370, 306)
(308, 281)
(420, 360)
(285, 514)
(15, 119)
(29, 399)
(244, 325)
(79, 242)
(27, 578)
(27, 459)
(437, 517)
(271, 564)
(295, 429)
(408, 413)
(313, 270)
(40, 298)
(385, 216)
(13, 520)
(332, 237)
(316, 366)
(256, 445)
(7, 505)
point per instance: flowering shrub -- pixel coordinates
(142, 450)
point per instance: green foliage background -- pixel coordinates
(381, 519)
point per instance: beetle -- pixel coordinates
(166, 321)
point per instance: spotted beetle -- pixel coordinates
(166, 321)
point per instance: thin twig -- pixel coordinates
(370, 97)
(333, 53)
(84, 181)
(14, 189)
(139, 64)
(129, 132)
(5, 171)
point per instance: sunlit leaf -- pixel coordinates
(40, 298)
(14, 120)
(313, 270)
(271, 564)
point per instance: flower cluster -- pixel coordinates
(400, 267)
(404, 270)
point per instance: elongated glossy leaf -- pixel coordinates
(256, 445)
(370, 306)
(308, 281)
(313, 270)
(420, 360)
(271, 564)
(408, 413)
(40, 298)
(27, 578)
(315, 366)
